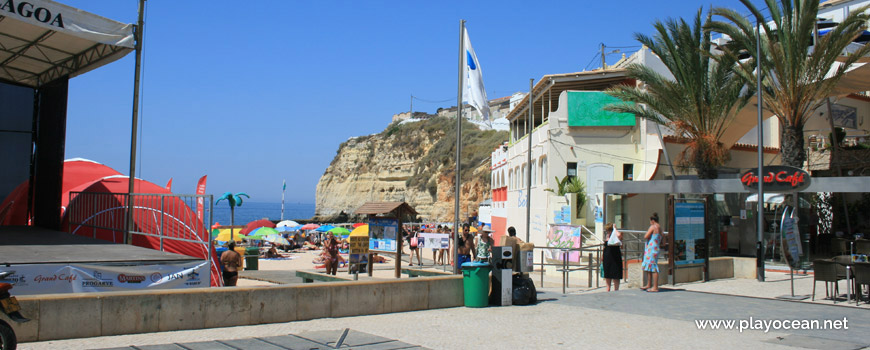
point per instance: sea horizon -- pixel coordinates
(250, 211)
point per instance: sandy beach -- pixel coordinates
(303, 260)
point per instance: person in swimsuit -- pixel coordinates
(331, 250)
(650, 264)
(231, 262)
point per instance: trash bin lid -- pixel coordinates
(474, 264)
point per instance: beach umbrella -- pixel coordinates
(253, 225)
(358, 224)
(276, 239)
(309, 226)
(340, 231)
(360, 231)
(473, 229)
(224, 236)
(287, 228)
(324, 228)
(262, 232)
(287, 223)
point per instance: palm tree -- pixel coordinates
(234, 200)
(797, 76)
(698, 104)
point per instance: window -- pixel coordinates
(572, 170)
(510, 178)
(523, 177)
(534, 169)
(544, 170)
(627, 172)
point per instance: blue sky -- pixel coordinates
(254, 92)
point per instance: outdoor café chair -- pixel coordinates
(861, 272)
(826, 271)
(840, 246)
(862, 246)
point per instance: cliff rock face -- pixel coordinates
(411, 162)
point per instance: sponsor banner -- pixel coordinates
(433, 240)
(200, 190)
(78, 278)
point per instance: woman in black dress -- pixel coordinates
(612, 256)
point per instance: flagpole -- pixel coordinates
(283, 189)
(137, 71)
(529, 162)
(456, 227)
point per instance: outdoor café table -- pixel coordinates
(846, 260)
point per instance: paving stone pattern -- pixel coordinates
(327, 339)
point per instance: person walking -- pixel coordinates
(330, 247)
(650, 265)
(612, 259)
(412, 238)
(231, 262)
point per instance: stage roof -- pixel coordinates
(41, 40)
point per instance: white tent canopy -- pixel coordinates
(41, 40)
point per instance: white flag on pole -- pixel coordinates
(474, 92)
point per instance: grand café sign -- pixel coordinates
(777, 178)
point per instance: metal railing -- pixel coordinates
(566, 266)
(633, 246)
(165, 217)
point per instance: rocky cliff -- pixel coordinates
(411, 162)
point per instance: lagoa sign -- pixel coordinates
(777, 178)
(29, 10)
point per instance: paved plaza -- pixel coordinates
(627, 319)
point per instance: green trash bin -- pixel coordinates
(475, 284)
(252, 254)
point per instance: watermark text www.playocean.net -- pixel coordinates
(753, 324)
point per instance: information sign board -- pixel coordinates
(689, 242)
(383, 233)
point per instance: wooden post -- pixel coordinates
(399, 242)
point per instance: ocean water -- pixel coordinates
(250, 211)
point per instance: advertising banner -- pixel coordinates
(359, 244)
(82, 278)
(433, 240)
(383, 233)
(792, 240)
(689, 233)
(564, 236)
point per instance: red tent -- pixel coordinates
(76, 172)
(153, 214)
(82, 175)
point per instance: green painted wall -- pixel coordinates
(585, 109)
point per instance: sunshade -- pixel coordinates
(473, 229)
(287, 223)
(309, 226)
(253, 225)
(360, 231)
(262, 232)
(287, 228)
(224, 236)
(276, 239)
(324, 228)
(358, 224)
(339, 231)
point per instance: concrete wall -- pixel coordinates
(63, 316)
(720, 267)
